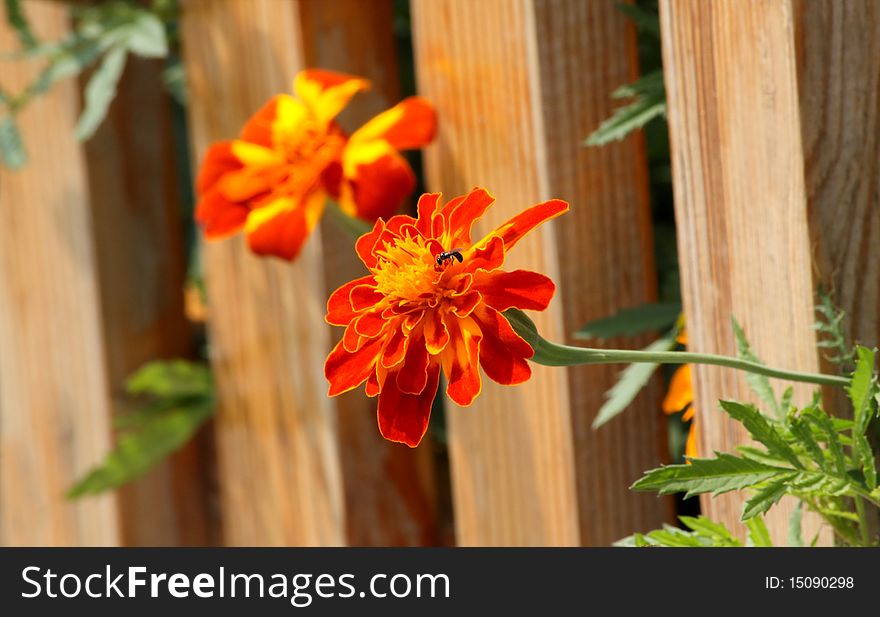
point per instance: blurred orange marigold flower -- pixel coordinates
(680, 398)
(434, 299)
(273, 181)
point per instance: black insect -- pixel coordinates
(447, 256)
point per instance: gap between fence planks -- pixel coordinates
(773, 112)
(295, 466)
(519, 86)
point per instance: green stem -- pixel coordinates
(586, 355)
(863, 522)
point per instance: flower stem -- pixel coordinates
(863, 522)
(586, 355)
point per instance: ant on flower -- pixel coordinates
(446, 256)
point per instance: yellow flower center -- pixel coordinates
(408, 273)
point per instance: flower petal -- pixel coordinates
(518, 226)
(412, 123)
(258, 129)
(367, 242)
(281, 227)
(395, 348)
(339, 309)
(378, 180)
(326, 93)
(413, 374)
(346, 370)
(680, 393)
(462, 217)
(219, 160)
(502, 352)
(369, 324)
(436, 334)
(461, 363)
(404, 417)
(219, 217)
(372, 387)
(521, 289)
(488, 255)
(365, 296)
(429, 204)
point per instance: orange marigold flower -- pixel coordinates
(433, 299)
(273, 181)
(680, 398)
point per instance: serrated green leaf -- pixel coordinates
(631, 381)
(137, 452)
(760, 384)
(761, 455)
(829, 435)
(11, 146)
(820, 483)
(145, 35)
(648, 317)
(866, 456)
(862, 388)
(765, 498)
(785, 405)
(16, 18)
(803, 432)
(794, 525)
(100, 92)
(718, 475)
(649, 103)
(758, 534)
(707, 528)
(760, 429)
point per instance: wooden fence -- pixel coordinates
(773, 114)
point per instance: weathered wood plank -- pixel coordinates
(519, 86)
(54, 393)
(295, 466)
(773, 122)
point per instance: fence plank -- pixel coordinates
(519, 86)
(54, 404)
(773, 122)
(296, 467)
(136, 212)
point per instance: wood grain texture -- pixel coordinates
(774, 160)
(295, 467)
(138, 229)
(54, 394)
(519, 85)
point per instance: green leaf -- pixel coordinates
(760, 429)
(632, 379)
(824, 423)
(794, 525)
(866, 456)
(630, 321)
(11, 146)
(137, 452)
(862, 388)
(706, 527)
(100, 92)
(180, 398)
(16, 18)
(803, 432)
(760, 384)
(758, 534)
(765, 497)
(718, 475)
(174, 379)
(650, 103)
(145, 36)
